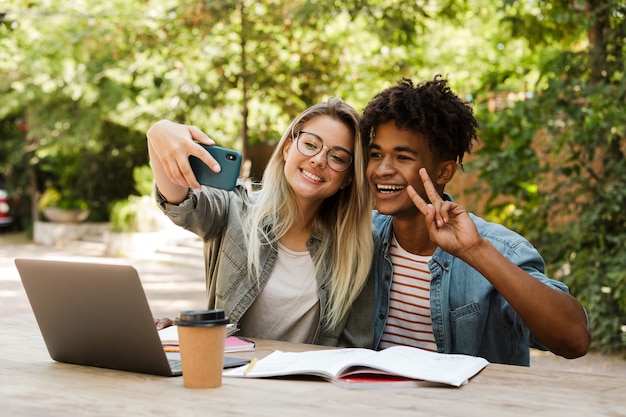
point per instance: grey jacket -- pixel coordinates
(216, 216)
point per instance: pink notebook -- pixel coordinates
(169, 338)
(238, 344)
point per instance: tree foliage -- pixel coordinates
(560, 156)
(81, 82)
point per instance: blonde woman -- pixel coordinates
(288, 261)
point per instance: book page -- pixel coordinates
(169, 335)
(420, 364)
(324, 363)
(402, 361)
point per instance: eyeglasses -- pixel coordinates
(309, 144)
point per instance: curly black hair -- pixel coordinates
(429, 108)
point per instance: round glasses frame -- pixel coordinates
(338, 160)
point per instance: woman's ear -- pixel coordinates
(286, 149)
(346, 181)
(445, 172)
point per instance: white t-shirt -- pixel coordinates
(288, 307)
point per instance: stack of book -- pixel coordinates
(169, 339)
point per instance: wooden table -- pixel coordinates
(31, 384)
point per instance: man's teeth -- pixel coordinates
(389, 188)
(313, 177)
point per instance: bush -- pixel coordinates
(573, 212)
(64, 200)
(137, 213)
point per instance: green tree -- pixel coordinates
(560, 155)
(81, 82)
(62, 77)
(89, 78)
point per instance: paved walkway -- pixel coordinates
(173, 280)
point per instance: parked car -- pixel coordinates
(6, 216)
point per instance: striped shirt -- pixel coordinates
(409, 321)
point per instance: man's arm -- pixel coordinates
(554, 317)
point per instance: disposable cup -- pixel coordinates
(201, 336)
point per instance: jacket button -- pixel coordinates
(387, 277)
(381, 316)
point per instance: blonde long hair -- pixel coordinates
(343, 222)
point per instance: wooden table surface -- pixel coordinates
(31, 384)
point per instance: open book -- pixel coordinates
(169, 339)
(344, 365)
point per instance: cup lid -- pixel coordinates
(201, 318)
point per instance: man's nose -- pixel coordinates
(386, 166)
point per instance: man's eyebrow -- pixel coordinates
(405, 149)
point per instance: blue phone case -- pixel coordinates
(229, 160)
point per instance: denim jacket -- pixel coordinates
(468, 315)
(216, 216)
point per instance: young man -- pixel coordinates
(447, 280)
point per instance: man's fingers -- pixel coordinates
(441, 214)
(431, 192)
(417, 200)
(163, 323)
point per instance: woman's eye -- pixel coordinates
(338, 158)
(310, 145)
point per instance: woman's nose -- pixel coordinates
(321, 158)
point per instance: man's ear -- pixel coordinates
(445, 172)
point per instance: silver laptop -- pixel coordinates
(97, 315)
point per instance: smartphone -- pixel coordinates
(229, 160)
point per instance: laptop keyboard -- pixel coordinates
(175, 365)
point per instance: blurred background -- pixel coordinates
(81, 82)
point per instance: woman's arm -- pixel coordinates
(169, 147)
